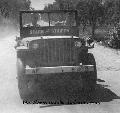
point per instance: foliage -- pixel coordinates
(112, 11)
(90, 13)
(62, 4)
(10, 8)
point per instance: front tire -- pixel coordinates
(89, 78)
(23, 80)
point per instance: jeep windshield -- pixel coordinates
(41, 19)
(48, 23)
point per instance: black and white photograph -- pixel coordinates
(60, 56)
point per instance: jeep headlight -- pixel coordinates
(35, 46)
(78, 43)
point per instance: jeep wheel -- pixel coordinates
(89, 78)
(22, 81)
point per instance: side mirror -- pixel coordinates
(90, 47)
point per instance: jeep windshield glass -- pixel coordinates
(48, 19)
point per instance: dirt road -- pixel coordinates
(107, 91)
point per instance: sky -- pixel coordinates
(39, 4)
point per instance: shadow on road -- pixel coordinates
(101, 94)
(100, 80)
(50, 105)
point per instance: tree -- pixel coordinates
(83, 10)
(10, 9)
(67, 4)
(112, 11)
(62, 4)
(90, 12)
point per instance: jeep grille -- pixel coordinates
(54, 52)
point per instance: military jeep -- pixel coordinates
(52, 60)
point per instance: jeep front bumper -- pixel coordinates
(59, 69)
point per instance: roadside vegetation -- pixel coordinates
(96, 17)
(9, 13)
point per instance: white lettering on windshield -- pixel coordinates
(60, 30)
(42, 32)
(36, 32)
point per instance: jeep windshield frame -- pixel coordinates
(49, 30)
